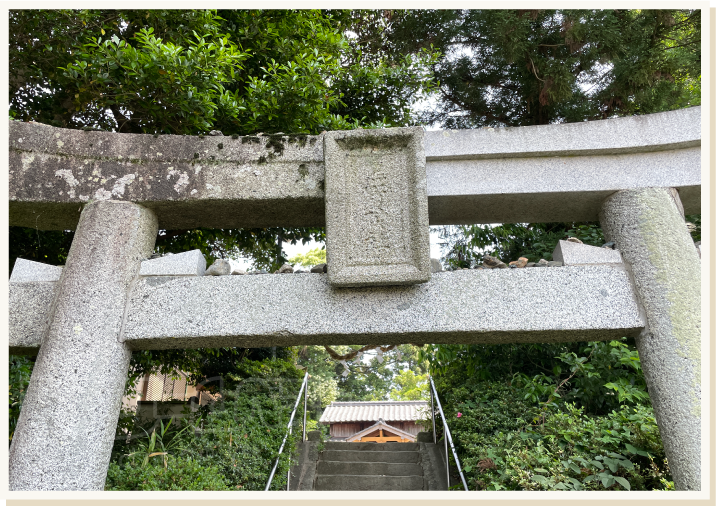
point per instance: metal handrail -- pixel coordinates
(304, 385)
(447, 437)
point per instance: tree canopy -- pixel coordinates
(534, 67)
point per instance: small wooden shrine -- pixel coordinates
(375, 421)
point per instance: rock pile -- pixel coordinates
(223, 268)
(490, 262)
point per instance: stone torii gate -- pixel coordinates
(376, 192)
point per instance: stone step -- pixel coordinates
(370, 456)
(334, 468)
(353, 482)
(379, 447)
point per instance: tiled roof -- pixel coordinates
(390, 411)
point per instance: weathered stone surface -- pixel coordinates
(220, 267)
(82, 356)
(425, 437)
(27, 270)
(493, 262)
(376, 207)
(649, 228)
(579, 165)
(519, 263)
(455, 307)
(435, 265)
(554, 263)
(633, 134)
(278, 180)
(187, 181)
(285, 269)
(318, 268)
(570, 253)
(574, 239)
(596, 302)
(188, 263)
(238, 272)
(29, 311)
(303, 471)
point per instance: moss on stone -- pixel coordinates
(682, 287)
(276, 144)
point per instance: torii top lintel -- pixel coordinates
(527, 174)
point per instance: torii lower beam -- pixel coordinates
(571, 303)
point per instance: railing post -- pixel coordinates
(447, 438)
(447, 455)
(432, 413)
(305, 405)
(288, 431)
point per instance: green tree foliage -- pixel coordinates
(535, 67)
(315, 256)
(187, 72)
(411, 386)
(366, 377)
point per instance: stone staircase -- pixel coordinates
(370, 466)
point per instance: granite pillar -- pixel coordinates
(67, 426)
(648, 228)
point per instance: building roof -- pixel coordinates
(390, 411)
(381, 424)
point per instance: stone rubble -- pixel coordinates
(519, 263)
(285, 269)
(493, 263)
(219, 268)
(435, 265)
(223, 267)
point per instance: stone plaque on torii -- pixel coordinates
(636, 175)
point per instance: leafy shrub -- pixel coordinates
(176, 473)
(236, 438)
(507, 442)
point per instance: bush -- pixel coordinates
(180, 473)
(507, 442)
(236, 438)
